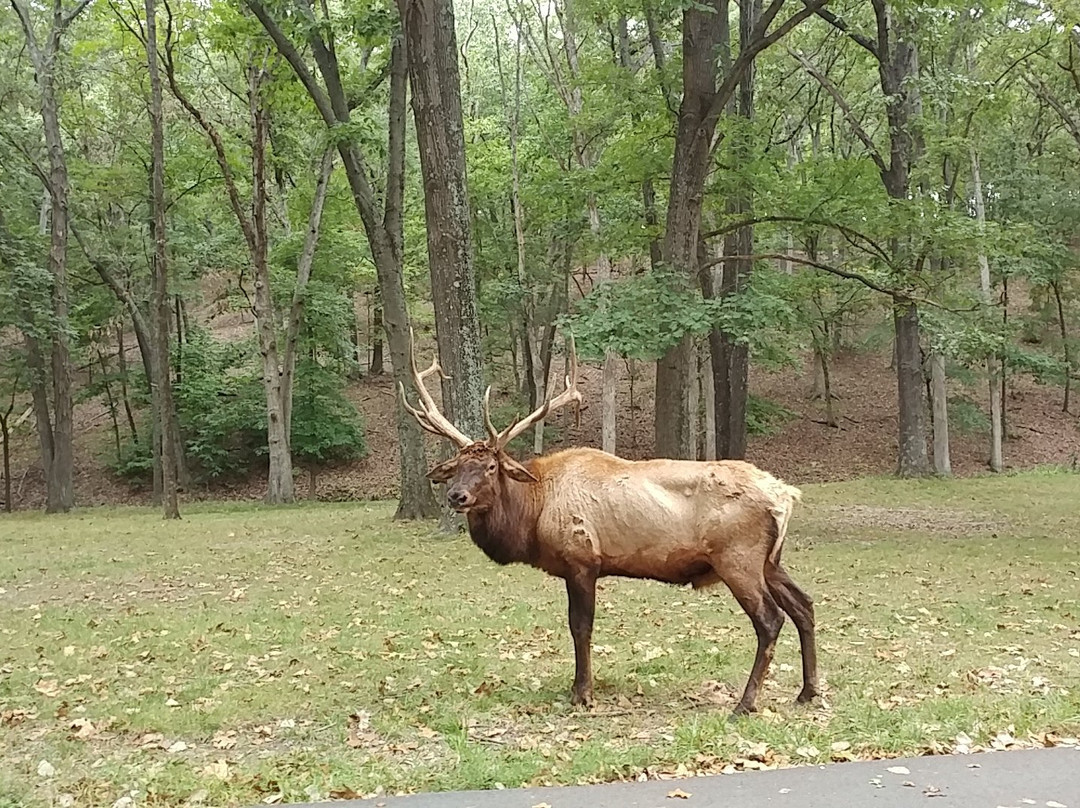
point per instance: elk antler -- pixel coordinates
(501, 439)
(428, 416)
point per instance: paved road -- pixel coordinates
(1046, 778)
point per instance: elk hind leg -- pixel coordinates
(753, 594)
(799, 606)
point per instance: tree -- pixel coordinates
(383, 223)
(55, 429)
(436, 103)
(161, 380)
(708, 86)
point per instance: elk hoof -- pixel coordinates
(581, 698)
(739, 711)
(807, 695)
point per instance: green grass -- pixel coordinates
(246, 653)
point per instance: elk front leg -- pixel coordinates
(581, 594)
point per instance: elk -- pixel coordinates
(581, 514)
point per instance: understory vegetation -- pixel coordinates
(250, 654)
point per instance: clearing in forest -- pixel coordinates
(246, 655)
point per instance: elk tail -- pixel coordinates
(786, 498)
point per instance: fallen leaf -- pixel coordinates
(83, 728)
(541, 805)
(177, 747)
(199, 797)
(46, 769)
(899, 770)
(273, 799)
(679, 794)
(807, 751)
(69, 650)
(785, 791)
(840, 746)
(219, 769)
(48, 687)
(1052, 804)
(171, 702)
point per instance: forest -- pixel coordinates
(226, 224)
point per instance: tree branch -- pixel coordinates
(840, 25)
(1072, 123)
(288, 50)
(853, 235)
(759, 41)
(69, 18)
(841, 102)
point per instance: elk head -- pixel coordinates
(477, 473)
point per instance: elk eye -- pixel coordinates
(493, 468)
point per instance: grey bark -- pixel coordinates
(939, 398)
(160, 381)
(44, 56)
(436, 104)
(993, 365)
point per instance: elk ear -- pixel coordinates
(515, 471)
(444, 471)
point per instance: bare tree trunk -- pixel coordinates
(993, 365)
(161, 382)
(376, 368)
(436, 103)
(705, 378)
(913, 460)
(5, 436)
(303, 275)
(60, 481)
(121, 356)
(1056, 286)
(110, 401)
(942, 463)
(693, 400)
(280, 484)
(609, 386)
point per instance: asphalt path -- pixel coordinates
(1047, 778)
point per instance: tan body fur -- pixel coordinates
(669, 520)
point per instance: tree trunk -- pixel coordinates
(436, 104)
(161, 381)
(912, 456)
(303, 275)
(993, 366)
(5, 436)
(110, 401)
(279, 486)
(121, 356)
(376, 368)
(708, 392)
(942, 463)
(1056, 286)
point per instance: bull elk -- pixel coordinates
(582, 514)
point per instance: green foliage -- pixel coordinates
(966, 417)
(764, 417)
(325, 426)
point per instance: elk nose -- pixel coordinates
(458, 498)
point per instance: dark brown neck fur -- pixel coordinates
(507, 532)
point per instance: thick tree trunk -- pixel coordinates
(436, 104)
(161, 382)
(912, 456)
(939, 398)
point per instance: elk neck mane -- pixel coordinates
(507, 531)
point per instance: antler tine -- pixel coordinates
(493, 433)
(429, 416)
(571, 393)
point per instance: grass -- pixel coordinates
(247, 655)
